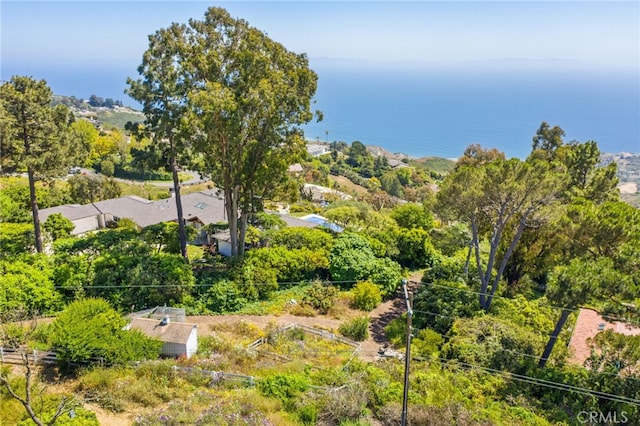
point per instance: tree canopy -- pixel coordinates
(36, 137)
(234, 95)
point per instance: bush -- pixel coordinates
(224, 296)
(427, 342)
(107, 168)
(442, 303)
(385, 273)
(90, 328)
(492, 342)
(283, 386)
(350, 258)
(298, 238)
(58, 226)
(444, 268)
(16, 238)
(357, 329)
(366, 296)
(396, 331)
(320, 296)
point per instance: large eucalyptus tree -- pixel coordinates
(36, 137)
(162, 90)
(238, 98)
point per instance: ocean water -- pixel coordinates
(435, 112)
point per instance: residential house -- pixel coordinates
(179, 339)
(199, 209)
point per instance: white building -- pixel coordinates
(179, 338)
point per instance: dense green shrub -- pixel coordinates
(442, 303)
(366, 296)
(320, 296)
(298, 237)
(493, 342)
(283, 386)
(27, 284)
(396, 331)
(160, 278)
(16, 238)
(290, 265)
(356, 329)
(384, 386)
(412, 216)
(415, 249)
(224, 296)
(386, 273)
(445, 268)
(426, 343)
(350, 258)
(58, 226)
(90, 329)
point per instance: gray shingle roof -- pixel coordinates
(174, 332)
(205, 206)
(70, 211)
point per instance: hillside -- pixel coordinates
(628, 173)
(108, 113)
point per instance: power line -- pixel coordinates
(478, 293)
(548, 383)
(508, 350)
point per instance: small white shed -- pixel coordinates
(179, 338)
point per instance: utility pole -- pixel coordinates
(407, 356)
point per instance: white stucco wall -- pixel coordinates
(224, 248)
(192, 343)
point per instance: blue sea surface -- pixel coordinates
(440, 113)
(434, 112)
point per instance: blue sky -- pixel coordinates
(114, 33)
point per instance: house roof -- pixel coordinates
(590, 323)
(173, 332)
(295, 168)
(205, 206)
(70, 211)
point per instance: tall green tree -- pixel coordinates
(547, 140)
(498, 200)
(37, 138)
(162, 89)
(249, 97)
(475, 154)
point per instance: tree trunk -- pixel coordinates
(554, 337)
(505, 259)
(468, 261)
(482, 297)
(231, 204)
(34, 210)
(242, 233)
(181, 231)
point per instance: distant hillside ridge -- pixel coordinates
(103, 112)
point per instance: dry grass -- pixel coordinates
(346, 184)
